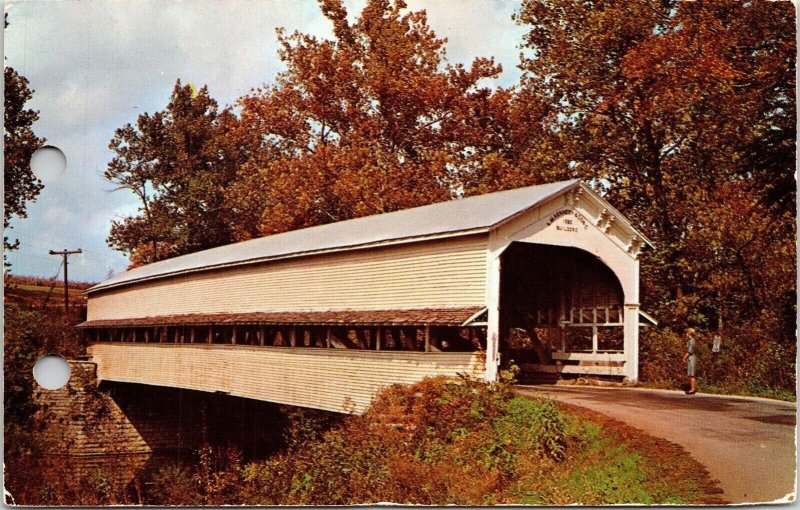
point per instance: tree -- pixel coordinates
(668, 106)
(178, 163)
(21, 186)
(373, 120)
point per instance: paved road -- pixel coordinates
(748, 444)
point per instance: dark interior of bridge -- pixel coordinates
(557, 298)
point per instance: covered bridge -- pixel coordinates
(545, 276)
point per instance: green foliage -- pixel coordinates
(603, 470)
(177, 162)
(28, 335)
(172, 485)
(750, 362)
(661, 353)
(618, 479)
(20, 185)
(529, 425)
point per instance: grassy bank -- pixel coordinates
(442, 442)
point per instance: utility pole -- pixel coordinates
(66, 253)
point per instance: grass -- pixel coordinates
(35, 288)
(611, 463)
(743, 391)
(751, 391)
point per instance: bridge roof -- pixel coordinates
(469, 215)
(417, 317)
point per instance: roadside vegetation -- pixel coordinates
(443, 442)
(761, 366)
(28, 334)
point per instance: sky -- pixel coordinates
(96, 65)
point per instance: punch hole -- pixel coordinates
(48, 163)
(51, 372)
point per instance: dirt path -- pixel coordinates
(748, 444)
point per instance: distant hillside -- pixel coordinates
(39, 292)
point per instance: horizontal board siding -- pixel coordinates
(332, 380)
(434, 274)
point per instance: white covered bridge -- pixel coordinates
(545, 276)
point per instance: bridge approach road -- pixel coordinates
(748, 444)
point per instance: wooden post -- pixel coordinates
(261, 335)
(631, 341)
(361, 338)
(293, 337)
(378, 339)
(594, 338)
(210, 338)
(427, 338)
(492, 298)
(192, 334)
(233, 335)
(328, 338)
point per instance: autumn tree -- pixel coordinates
(178, 163)
(671, 107)
(20, 185)
(370, 121)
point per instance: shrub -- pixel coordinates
(750, 360)
(171, 485)
(435, 442)
(533, 425)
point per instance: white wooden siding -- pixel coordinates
(333, 380)
(434, 274)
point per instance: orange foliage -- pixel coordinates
(372, 121)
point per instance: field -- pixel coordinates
(40, 292)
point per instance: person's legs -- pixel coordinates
(691, 385)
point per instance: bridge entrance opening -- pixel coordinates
(561, 313)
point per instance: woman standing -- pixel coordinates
(691, 357)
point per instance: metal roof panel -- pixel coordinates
(476, 213)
